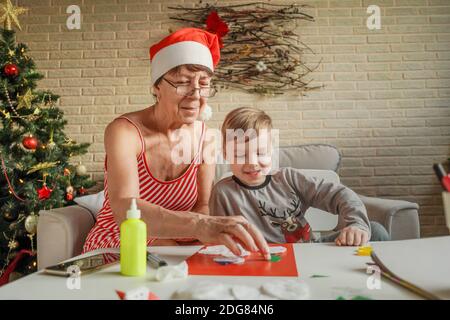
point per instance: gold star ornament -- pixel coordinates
(25, 100)
(9, 14)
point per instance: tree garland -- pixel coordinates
(260, 52)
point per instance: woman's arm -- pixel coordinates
(206, 173)
(205, 180)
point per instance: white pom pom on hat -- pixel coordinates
(205, 114)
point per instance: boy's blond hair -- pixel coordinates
(246, 118)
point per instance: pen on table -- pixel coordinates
(442, 176)
(155, 261)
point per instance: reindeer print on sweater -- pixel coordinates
(290, 220)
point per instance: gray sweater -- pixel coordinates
(277, 207)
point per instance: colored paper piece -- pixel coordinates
(137, 294)
(361, 298)
(318, 276)
(364, 251)
(223, 251)
(225, 260)
(274, 258)
(254, 265)
(354, 298)
(277, 249)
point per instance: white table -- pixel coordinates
(347, 276)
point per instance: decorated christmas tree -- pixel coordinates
(35, 168)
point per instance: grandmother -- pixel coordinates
(173, 197)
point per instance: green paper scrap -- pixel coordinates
(319, 276)
(274, 258)
(361, 298)
(354, 298)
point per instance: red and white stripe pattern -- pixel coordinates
(179, 195)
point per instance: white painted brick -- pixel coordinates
(385, 94)
(384, 57)
(378, 142)
(383, 39)
(307, 115)
(412, 20)
(372, 67)
(373, 85)
(354, 133)
(407, 103)
(419, 56)
(420, 93)
(340, 123)
(75, 101)
(98, 35)
(372, 123)
(354, 114)
(111, 100)
(350, 76)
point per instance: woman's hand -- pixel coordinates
(352, 236)
(226, 230)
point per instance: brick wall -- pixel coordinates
(385, 103)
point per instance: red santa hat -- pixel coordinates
(185, 46)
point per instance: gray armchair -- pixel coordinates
(61, 232)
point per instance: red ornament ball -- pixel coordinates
(11, 70)
(30, 142)
(69, 196)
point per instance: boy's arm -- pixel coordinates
(334, 198)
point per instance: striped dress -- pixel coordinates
(179, 194)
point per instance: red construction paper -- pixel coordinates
(254, 265)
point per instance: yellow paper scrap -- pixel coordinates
(364, 251)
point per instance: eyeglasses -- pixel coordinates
(187, 90)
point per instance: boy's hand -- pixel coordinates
(352, 236)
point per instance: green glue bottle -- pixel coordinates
(133, 243)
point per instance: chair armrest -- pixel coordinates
(399, 217)
(61, 233)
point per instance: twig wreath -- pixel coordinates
(260, 52)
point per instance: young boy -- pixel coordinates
(276, 202)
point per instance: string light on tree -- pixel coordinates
(69, 193)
